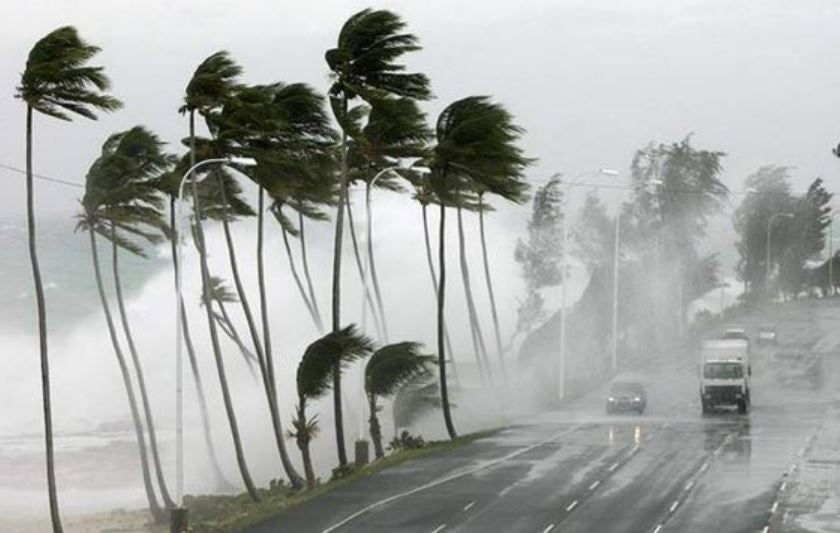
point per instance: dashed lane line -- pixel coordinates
(571, 506)
(445, 479)
(469, 505)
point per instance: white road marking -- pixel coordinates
(784, 485)
(775, 506)
(766, 529)
(439, 529)
(613, 467)
(469, 505)
(674, 506)
(549, 528)
(704, 467)
(450, 477)
(594, 485)
(658, 528)
(689, 485)
(572, 505)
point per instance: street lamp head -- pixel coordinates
(242, 161)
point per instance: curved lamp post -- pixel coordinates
(179, 348)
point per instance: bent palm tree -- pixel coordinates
(388, 369)
(109, 204)
(211, 84)
(314, 378)
(475, 141)
(140, 154)
(56, 82)
(363, 64)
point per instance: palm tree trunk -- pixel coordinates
(477, 337)
(214, 335)
(224, 321)
(441, 292)
(154, 506)
(52, 490)
(431, 264)
(312, 299)
(294, 478)
(378, 319)
(306, 300)
(199, 387)
(375, 428)
(336, 293)
(141, 380)
(303, 439)
(374, 277)
(489, 281)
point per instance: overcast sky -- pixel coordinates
(590, 80)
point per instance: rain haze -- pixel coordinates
(638, 327)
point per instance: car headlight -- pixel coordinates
(610, 399)
(637, 399)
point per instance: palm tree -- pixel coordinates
(363, 64)
(57, 82)
(221, 295)
(209, 88)
(287, 129)
(314, 378)
(388, 369)
(111, 207)
(140, 154)
(475, 142)
(425, 196)
(517, 195)
(395, 130)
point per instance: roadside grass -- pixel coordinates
(216, 514)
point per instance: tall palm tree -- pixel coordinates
(425, 196)
(394, 131)
(516, 195)
(111, 208)
(57, 82)
(286, 127)
(475, 142)
(140, 154)
(221, 295)
(209, 88)
(363, 64)
(388, 369)
(314, 378)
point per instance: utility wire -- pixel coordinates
(42, 177)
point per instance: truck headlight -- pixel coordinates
(637, 399)
(610, 399)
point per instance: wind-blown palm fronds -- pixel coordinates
(390, 368)
(58, 82)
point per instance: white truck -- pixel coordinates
(725, 374)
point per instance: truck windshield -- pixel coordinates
(723, 371)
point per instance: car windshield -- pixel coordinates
(723, 371)
(626, 388)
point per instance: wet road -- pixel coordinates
(578, 470)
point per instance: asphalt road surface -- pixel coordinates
(579, 470)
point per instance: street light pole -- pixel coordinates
(616, 260)
(767, 262)
(179, 298)
(565, 265)
(831, 254)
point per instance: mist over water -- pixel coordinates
(96, 447)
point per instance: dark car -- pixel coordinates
(625, 396)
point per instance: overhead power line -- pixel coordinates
(42, 177)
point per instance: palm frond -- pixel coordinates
(314, 373)
(212, 83)
(394, 365)
(58, 82)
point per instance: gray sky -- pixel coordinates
(591, 80)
